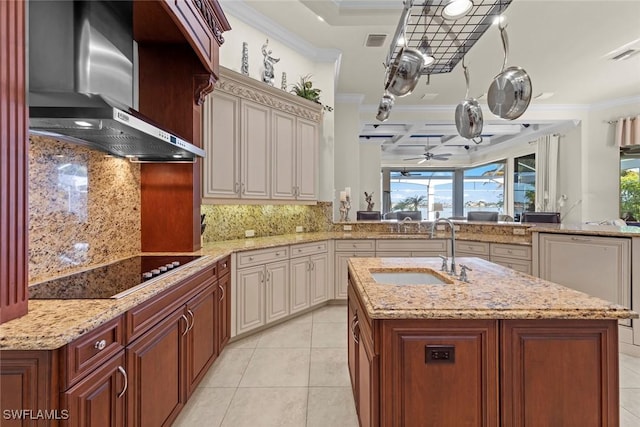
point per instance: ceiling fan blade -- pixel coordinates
(414, 158)
(424, 159)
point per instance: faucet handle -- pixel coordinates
(463, 273)
(444, 263)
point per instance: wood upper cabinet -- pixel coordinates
(267, 140)
(13, 162)
(99, 398)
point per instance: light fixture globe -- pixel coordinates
(456, 9)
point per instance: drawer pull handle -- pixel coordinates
(299, 250)
(224, 265)
(278, 253)
(250, 258)
(509, 251)
(126, 381)
(100, 345)
(580, 239)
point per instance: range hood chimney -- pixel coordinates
(81, 85)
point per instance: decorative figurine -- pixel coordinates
(245, 59)
(345, 204)
(268, 74)
(367, 198)
(283, 84)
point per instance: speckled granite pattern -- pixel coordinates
(227, 222)
(83, 208)
(494, 292)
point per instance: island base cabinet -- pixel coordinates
(202, 340)
(439, 373)
(98, 399)
(559, 373)
(155, 363)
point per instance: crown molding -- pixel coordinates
(615, 103)
(245, 13)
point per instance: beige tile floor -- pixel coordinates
(295, 374)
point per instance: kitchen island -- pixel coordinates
(504, 349)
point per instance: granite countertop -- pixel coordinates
(590, 229)
(494, 292)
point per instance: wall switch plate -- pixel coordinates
(347, 228)
(299, 229)
(249, 233)
(441, 227)
(519, 231)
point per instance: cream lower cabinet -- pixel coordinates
(516, 257)
(262, 288)
(309, 275)
(345, 249)
(411, 247)
(473, 249)
(598, 266)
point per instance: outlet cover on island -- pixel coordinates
(519, 231)
(299, 229)
(249, 233)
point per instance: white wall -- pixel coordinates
(347, 155)
(295, 65)
(370, 180)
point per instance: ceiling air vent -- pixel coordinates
(375, 40)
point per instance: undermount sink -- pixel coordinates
(424, 276)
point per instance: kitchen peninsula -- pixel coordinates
(504, 348)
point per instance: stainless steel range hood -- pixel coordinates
(81, 81)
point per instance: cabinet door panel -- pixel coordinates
(367, 383)
(94, 400)
(283, 161)
(221, 135)
(277, 290)
(300, 283)
(224, 311)
(319, 278)
(341, 271)
(250, 302)
(202, 339)
(256, 154)
(156, 381)
(429, 391)
(307, 153)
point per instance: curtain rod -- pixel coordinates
(616, 121)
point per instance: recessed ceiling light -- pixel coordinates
(82, 123)
(320, 18)
(457, 9)
(401, 41)
(544, 95)
(499, 19)
(428, 60)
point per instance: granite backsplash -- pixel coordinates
(83, 208)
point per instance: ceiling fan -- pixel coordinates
(430, 156)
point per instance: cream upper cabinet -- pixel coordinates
(599, 266)
(255, 137)
(221, 170)
(307, 160)
(261, 142)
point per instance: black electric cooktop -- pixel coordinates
(109, 281)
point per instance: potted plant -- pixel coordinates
(305, 89)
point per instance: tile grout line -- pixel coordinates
(235, 391)
(306, 416)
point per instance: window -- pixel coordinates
(484, 188)
(427, 191)
(630, 186)
(524, 185)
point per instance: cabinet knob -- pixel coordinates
(277, 253)
(251, 258)
(299, 250)
(100, 345)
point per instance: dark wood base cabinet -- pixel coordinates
(510, 373)
(136, 370)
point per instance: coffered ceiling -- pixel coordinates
(566, 46)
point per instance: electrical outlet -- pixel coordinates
(299, 229)
(441, 227)
(347, 228)
(519, 231)
(249, 233)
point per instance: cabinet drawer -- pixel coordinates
(263, 256)
(514, 263)
(146, 315)
(476, 248)
(224, 266)
(421, 245)
(308, 249)
(355, 245)
(511, 251)
(91, 350)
